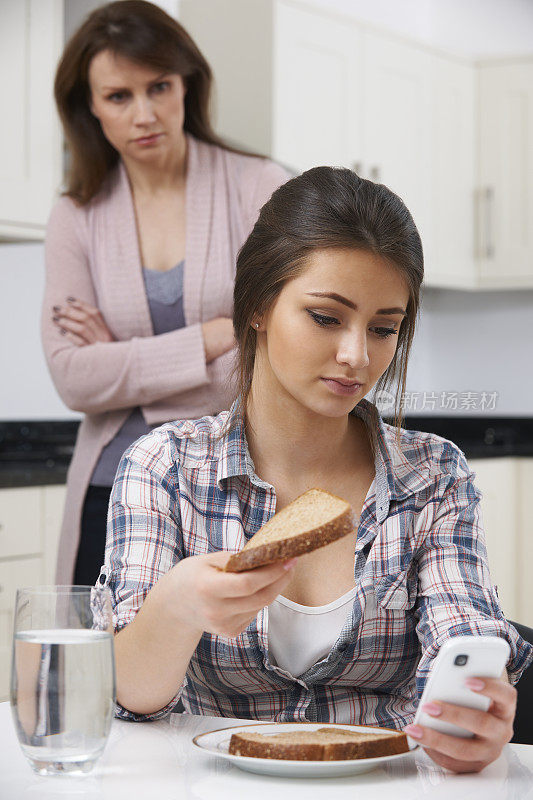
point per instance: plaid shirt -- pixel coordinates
(420, 569)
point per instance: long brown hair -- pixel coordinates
(145, 34)
(325, 207)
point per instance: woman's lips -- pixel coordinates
(147, 140)
(340, 388)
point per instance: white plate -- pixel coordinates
(217, 743)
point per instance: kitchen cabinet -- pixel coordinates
(317, 91)
(30, 521)
(343, 94)
(397, 147)
(505, 485)
(505, 193)
(21, 522)
(346, 96)
(30, 137)
(324, 88)
(450, 261)
(497, 480)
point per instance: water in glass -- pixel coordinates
(62, 695)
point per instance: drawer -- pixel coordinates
(21, 522)
(13, 575)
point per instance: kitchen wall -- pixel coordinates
(467, 342)
(470, 345)
(26, 390)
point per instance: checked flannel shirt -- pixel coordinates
(420, 568)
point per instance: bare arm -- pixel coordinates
(152, 654)
(154, 650)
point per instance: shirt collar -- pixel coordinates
(396, 476)
(234, 456)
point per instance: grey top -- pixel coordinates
(165, 300)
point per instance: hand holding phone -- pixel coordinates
(459, 658)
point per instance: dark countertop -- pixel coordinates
(38, 452)
(480, 436)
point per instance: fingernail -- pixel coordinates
(56, 308)
(71, 299)
(290, 563)
(414, 730)
(433, 709)
(476, 684)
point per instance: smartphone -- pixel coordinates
(459, 658)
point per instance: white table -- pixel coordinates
(157, 760)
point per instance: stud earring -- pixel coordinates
(256, 324)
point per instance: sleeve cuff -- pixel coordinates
(130, 716)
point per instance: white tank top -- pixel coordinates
(299, 636)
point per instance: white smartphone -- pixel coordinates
(459, 658)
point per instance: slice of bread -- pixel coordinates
(313, 520)
(324, 744)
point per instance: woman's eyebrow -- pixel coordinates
(340, 299)
(124, 88)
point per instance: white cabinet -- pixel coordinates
(32, 36)
(497, 480)
(451, 261)
(20, 522)
(339, 91)
(506, 173)
(344, 94)
(30, 138)
(317, 91)
(437, 129)
(30, 522)
(505, 484)
(396, 123)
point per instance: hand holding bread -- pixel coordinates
(221, 593)
(206, 598)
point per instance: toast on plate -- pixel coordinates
(324, 744)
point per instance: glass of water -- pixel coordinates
(63, 676)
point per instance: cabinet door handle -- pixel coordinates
(489, 201)
(357, 167)
(375, 174)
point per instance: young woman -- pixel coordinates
(325, 303)
(140, 251)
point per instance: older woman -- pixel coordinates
(325, 304)
(140, 251)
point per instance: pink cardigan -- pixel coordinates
(92, 253)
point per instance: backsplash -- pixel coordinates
(36, 453)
